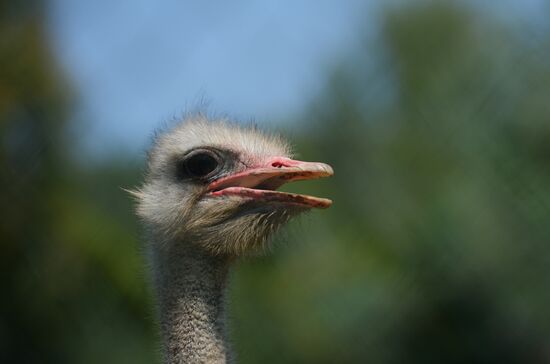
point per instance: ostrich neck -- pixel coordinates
(191, 288)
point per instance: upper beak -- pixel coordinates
(262, 181)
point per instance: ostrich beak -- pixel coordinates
(261, 182)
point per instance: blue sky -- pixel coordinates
(137, 63)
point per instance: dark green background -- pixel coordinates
(437, 248)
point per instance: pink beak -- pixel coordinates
(261, 182)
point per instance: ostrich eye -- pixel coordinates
(200, 164)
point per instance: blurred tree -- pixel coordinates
(72, 289)
(32, 113)
(437, 249)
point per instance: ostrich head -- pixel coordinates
(213, 184)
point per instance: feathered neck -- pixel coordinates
(191, 286)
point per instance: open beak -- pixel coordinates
(261, 182)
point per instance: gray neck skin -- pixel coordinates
(191, 287)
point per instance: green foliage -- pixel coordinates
(73, 288)
(436, 248)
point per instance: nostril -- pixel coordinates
(277, 164)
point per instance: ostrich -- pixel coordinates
(209, 196)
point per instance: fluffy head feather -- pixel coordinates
(175, 207)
